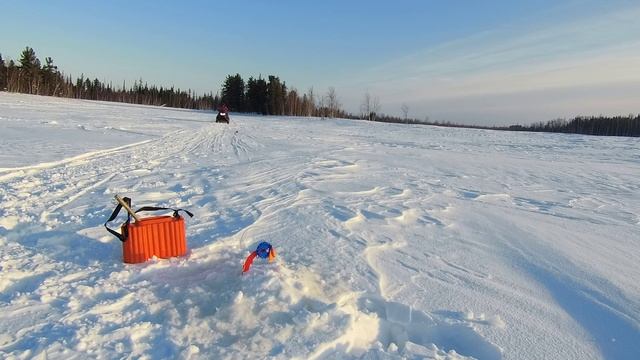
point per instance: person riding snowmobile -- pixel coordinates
(223, 114)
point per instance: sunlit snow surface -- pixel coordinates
(393, 241)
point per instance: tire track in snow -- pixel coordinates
(40, 189)
(70, 199)
(21, 171)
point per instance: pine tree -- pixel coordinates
(233, 93)
(256, 97)
(250, 96)
(50, 78)
(29, 71)
(276, 92)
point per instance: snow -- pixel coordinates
(393, 241)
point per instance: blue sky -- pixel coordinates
(470, 61)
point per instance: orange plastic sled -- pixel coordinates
(160, 236)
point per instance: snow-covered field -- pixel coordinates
(393, 241)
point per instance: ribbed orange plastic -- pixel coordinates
(161, 236)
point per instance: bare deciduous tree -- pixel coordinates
(370, 106)
(293, 103)
(405, 111)
(365, 107)
(311, 103)
(322, 106)
(375, 109)
(333, 105)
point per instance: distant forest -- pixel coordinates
(267, 96)
(30, 76)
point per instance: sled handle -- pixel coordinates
(126, 207)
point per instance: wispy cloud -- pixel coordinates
(591, 52)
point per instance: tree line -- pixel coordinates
(30, 76)
(267, 96)
(588, 125)
(271, 96)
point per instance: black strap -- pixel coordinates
(155, 208)
(116, 211)
(122, 237)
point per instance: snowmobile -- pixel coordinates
(223, 114)
(222, 117)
